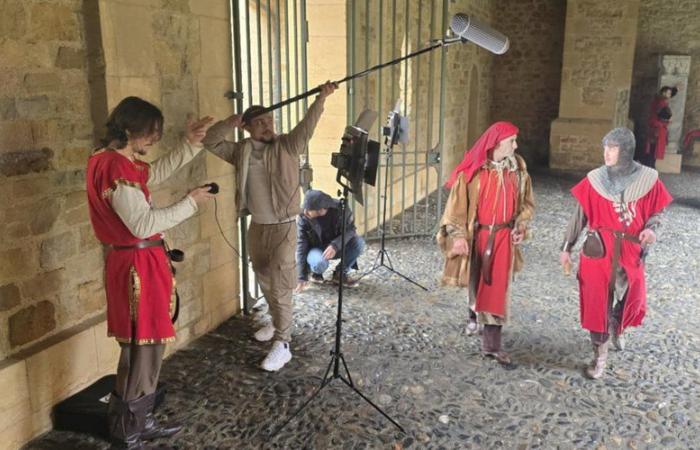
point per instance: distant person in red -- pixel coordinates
(657, 127)
(620, 204)
(485, 219)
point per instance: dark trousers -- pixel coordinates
(491, 339)
(141, 379)
(614, 320)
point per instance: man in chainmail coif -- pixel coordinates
(620, 203)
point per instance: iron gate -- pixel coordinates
(379, 31)
(269, 65)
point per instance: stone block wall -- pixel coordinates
(526, 79)
(186, 71)
(666, 28)
(63, 65)
(50, 263)
(599, 40)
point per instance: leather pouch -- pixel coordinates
(593, 246)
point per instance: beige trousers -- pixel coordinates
(272, 254)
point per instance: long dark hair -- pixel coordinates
(135, 116)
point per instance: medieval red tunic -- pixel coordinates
(657, 128)
(498, 195)
(595, 274)
(138, 282)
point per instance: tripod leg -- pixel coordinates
(328, 369)
(408, 279)
(357, 391)
(324, 382)
(347, 371)
(391, 264)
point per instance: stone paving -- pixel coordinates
(407, 351)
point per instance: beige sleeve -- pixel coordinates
(215, 142)
(168, 164)
(454, 217)
(301, 134)
(143, 220)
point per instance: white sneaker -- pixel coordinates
(278, 356)
(265, 333)
(261, 305)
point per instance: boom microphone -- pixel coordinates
(472, 29)
(466, 29)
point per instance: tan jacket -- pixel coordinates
(281, 161)
(459, 218)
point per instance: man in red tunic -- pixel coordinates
(139, 282)
(486, 217)
(620, 203)
(657, 127)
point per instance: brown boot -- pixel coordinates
(125, 420)
(491, 347)
(597, 367)
(152, 429)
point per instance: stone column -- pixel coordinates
(673, 71)
(599, 44)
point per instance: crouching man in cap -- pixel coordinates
(319, 229)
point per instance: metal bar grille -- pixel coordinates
(270, 38)
(380, 30)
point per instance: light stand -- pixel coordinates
(393, 133)
(336, 354)
(356, 164)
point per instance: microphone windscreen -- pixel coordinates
(366, 119)
(213, 188)
(472, 29)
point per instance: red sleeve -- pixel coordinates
(660, 198)
(581, 193)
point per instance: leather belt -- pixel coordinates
(139, 245)
(487, 259)
(627, 236)
(617, 244)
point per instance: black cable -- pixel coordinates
(216, 217)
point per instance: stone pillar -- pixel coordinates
(599, 44)
(673, 71)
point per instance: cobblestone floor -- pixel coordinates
(407, 350)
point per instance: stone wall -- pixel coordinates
(185, 71)
(63, 65)
(666, 28)
(50, 263)
(599, 44)
(526, 79)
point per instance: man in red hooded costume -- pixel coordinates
(621, 204)
(657, 127)
(486, 217)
